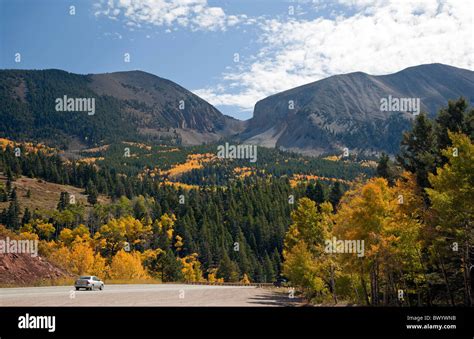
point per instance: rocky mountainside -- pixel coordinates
(345, 110)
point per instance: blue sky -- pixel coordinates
(280, 44)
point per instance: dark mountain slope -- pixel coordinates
(128, 106)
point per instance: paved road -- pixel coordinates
(147, 295)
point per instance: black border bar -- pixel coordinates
(192, 322)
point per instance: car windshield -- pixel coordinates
(85, 278)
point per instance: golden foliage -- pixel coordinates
(43, 229)
(301, 268)
(191, 268)
(139, 145)
(90, 160)
(99, 267)
(176, 184)
(302, 178)
(212, 276)
(61, 257)
(117, 231)
(243, 172)
(193, 161)
(245, 279)
(96, 149)
(29, 146)
(81, 259)
(165, 225)
(127, 266)
(66, 236)
(179, 243)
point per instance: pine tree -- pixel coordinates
(3, 195)
(13, 195)
(12, 216)
(276, 260)
(335, 195)
(26, 216)
(92, 193)
(10, 179)
(315, 192)
(418, 153)
(170, 267)
(228, 269)
(63, 203)
(270, 275)
(451, 119)
(384, 169)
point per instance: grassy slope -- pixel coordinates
(44, 195)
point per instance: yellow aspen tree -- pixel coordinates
(245, 279)
(81, 258)
(127, 266)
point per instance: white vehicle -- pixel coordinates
(89, 282)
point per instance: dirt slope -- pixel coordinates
(24, 269)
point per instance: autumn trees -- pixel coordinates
(306, 263)
(233, 231)
(78, 258)
(128, 266)
(452, 214)
(414, 219)
(416, 224)
(240, 219)
(408, 249)
(385, 219)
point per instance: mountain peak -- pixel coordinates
(133, 105)
(344, 110)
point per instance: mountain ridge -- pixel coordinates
(328, 115)
(135, 105)
(344, 110)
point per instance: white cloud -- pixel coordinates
(192, 14)
(384, 36)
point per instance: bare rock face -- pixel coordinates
(19, 269)
(345, 110)
(23, 269)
